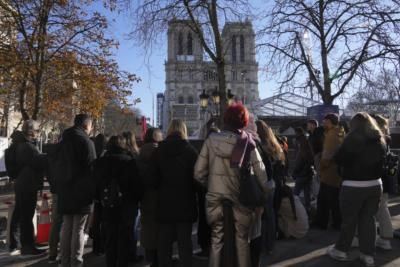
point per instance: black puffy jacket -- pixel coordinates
(360, 157)
(30, 169)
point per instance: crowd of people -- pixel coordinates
(103, 186)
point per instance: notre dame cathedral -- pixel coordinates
(189, 72)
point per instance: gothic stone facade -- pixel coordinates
(188, 73)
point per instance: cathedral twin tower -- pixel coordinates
(189, 72)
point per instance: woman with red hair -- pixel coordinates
(217, 168)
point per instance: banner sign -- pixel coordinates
(318, 112)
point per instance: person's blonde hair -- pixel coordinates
(364, 122)
(270, 141)
(382, 122)
(177, 127)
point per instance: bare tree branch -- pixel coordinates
(340, 35)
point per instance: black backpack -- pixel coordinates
(110, 194)
(10, 160)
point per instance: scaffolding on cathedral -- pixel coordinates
(283, 105)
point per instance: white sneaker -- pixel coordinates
(355, 243)
(367, 260)
(383, 244)
(86, 239)
(337, 254)
(15, 252)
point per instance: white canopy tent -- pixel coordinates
(282, 105)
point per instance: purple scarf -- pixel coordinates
(241, 152)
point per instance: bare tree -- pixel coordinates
(327, 43)
(205, 19)
(380, 93)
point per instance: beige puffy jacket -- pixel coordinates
(328, 169)
(213, 170)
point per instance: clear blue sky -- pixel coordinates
(150, 68)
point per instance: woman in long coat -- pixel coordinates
(148, 204)
(173, 167)
(217, 168)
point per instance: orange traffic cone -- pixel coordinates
(44, 224)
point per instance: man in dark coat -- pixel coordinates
(316, 140)
(76, 188)
(29, 180)
(17, 137)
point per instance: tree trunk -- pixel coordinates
(219, 60)
(38, 96)
(326, 96)
(22, 98)
(40, 56)
(5, 117)
(222, 92)
(327, 99)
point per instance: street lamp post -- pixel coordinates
(204, 100)
(215, 100)
(243, 75)
(230, 97)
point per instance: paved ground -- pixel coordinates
(306, 252)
